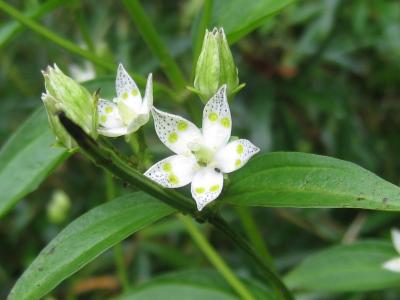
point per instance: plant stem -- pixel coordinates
(111, 161)
(215, 258)
(254, 235)
(156, 45)
(11, 30)
(73, 48)
(117, 249)
(267, 273)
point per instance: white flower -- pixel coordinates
(202, 156)
(128, 111)
(394, 263)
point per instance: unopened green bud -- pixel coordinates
(58, 207)
(215, 66)
(65, 94)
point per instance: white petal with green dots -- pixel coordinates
(206, 186)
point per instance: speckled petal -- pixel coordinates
(109, 118)
(234, 155)
(206, 186)
(173, 172)
(217, 121)
(175, 132)
(127, 91)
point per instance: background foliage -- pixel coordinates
(322, 77)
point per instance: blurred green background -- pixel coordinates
(321, 77)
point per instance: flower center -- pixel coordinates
(204, 155)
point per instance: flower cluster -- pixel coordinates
(202, 156)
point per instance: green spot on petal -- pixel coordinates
(134, 92)
(103, 118)
(226, 122)
(239, 149)
(182, 125)
(200, 190)
(125, 95)
(109, 109)
(214, 188)
(213, 117)
(167, 167)
(173, 137)
(173, 179)
(238, 162)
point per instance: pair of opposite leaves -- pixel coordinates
(201, 157)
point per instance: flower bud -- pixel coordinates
(58, 207)
(215, 66)
(65, 94)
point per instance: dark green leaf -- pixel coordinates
(345, 268)
(240, 17)
(193, 285)
(27, 159)
(86, 238)
(288, 179)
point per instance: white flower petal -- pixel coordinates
(147, 103)
(175, 132)
(234, 155)
(392, 265)
(173, 172)
(396, 239)
(108, 115)
(127, 91)
(138, 122)
(206, 186)
(217, 121)
(113, 132)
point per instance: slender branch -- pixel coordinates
(215, 258)
(156, 45)
(109, 160)
(254, 235)
(73, 48)
(12, 29)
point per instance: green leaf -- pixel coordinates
(288, 179)
(346, 268)
(240, 17)
(27, 159)
(84, 239)
(193, 285)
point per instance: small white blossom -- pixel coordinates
(128, 111)
(202, 156)
(394, 263)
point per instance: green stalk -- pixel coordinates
(252, 232)
(43, 31)
(156, 45)
(117, 249)
(215, 258)
(113, 162)
(71, 47)
(11, 30)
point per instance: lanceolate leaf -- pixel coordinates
(346, 268)
(27, 159)
(239, 17)
(305, 180)
(84, 239)
(194, 285)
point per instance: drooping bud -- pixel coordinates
(65, 94)
(215, 67)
